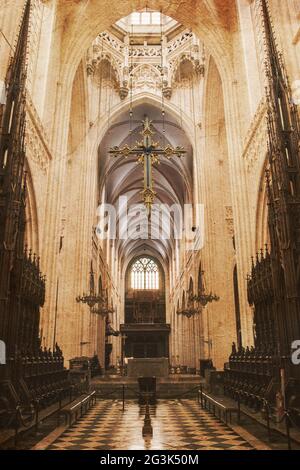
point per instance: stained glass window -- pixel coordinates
(144, 274)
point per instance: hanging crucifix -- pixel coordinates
(148, 153)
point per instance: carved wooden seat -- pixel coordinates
(225, 406)
(78, 408)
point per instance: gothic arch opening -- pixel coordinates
(262, 232)
(145, 327)
(32, 224)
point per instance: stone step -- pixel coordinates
(164, 390)
(111, 390)
(176, 378)
(177, 390)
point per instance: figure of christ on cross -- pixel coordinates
(148, 153)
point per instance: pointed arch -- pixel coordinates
(32, 225)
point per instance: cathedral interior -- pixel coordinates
(149, 225)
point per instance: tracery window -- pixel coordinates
(144, 274)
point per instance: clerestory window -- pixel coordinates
(146, 18)
(145, 274)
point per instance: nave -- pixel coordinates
(149, 222)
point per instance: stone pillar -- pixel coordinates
(10, 19)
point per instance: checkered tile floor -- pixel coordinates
(180, 425)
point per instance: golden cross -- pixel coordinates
(148, 153)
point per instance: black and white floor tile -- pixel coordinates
(180, 425)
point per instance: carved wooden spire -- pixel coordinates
(273, 57)
(283, 184)
(12, 160)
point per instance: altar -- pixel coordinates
(148, 367)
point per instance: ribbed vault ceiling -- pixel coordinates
(124, 177)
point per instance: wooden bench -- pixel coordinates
(225, 406)
(78, 408)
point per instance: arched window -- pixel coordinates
(144, 274)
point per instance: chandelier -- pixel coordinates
(92, 298)
(103, 308)
(202, 299)
(188, 312)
